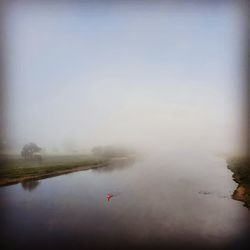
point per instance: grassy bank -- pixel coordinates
(14, 169)
(241, 174)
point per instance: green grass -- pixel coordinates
(14, 167)
(241, 174)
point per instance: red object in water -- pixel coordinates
(109, 196)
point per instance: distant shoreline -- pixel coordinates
(16, 170)
(12, 181)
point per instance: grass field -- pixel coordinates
(14, 169)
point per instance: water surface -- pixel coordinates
(159, 201)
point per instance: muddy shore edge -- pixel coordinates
(241, 175)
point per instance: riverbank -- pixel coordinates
(241, 174)
(14, 169)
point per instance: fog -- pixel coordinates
(155, 77)
(161, 78)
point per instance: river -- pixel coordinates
(159, 201)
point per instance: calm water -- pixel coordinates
(160, 201)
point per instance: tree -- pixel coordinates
(29, 150)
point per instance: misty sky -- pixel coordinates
(90, 74)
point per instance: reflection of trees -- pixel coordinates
(116, 164)
(30, 185)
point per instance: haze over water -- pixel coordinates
(165, 79)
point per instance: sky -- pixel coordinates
(144, 75)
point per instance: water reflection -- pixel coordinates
(116, 164)
(30, 185)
